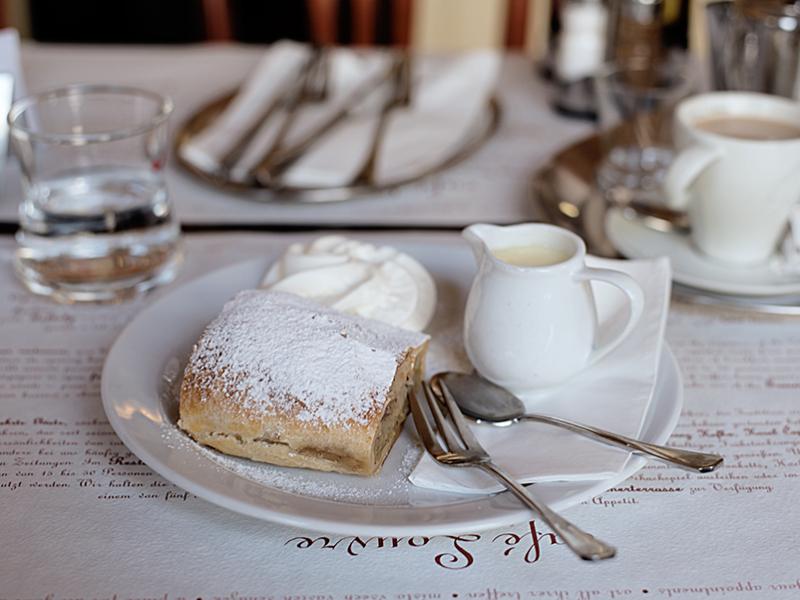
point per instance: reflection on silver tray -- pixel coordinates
(483, 129)
(776, 305)
(566, 192)
(565, 189)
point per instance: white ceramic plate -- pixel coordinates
(142, 410)
(690, 267)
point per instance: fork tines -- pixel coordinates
(462, 446)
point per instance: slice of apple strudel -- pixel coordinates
(281, 379)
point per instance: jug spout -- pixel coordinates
(479, 238)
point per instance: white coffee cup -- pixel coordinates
(532, 324)
(739, 193)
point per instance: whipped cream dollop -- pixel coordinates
(377, 282)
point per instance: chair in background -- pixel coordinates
(424, 24)
(124, 22)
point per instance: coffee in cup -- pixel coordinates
(750, 128)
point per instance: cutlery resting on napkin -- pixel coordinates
(448, 95)
(613, 394)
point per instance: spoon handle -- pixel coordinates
(687, 459)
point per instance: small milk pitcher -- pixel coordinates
(530, 320)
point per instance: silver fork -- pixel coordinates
(311, 75)
(461, 449)
(399, 95)
(269, 172)
(313, 89)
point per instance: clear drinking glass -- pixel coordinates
(635, 107)
(755, 46)
(95, 223)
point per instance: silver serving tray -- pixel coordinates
(482, 131)
(566, 192)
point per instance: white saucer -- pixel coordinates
(690, 267)
(142, 410)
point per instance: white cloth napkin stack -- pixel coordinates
(10, 61)
(613, 394)
(448, 96)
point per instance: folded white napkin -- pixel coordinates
(613, 394)
(269, 80)
(349, 73)
(10, 61)
(448, 95)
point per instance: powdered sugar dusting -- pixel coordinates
(390, 487)
(279, 353)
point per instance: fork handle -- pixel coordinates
(687, 459)
(583, 544)
(268, 172)
(366, 174)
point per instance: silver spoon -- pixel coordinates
(485, 401)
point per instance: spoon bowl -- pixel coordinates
(480, 398)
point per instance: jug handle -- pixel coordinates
(635, 296)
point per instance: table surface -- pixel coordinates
(82, 518)
(491, 185)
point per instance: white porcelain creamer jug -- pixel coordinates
(530, 320)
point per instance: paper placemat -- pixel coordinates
(82, 518)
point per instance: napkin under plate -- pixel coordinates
(448, 97)
(613, 394)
